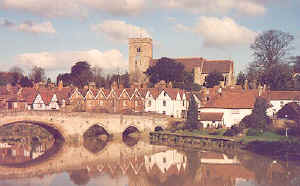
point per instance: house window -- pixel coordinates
(124, 103)
(164, 103)
(101, 103)
(183, 103)
(138, 49)
(136, 103)
(164, 160)
(149, 103)
(165, 94)
(164, 112)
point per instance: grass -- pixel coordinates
(266, 136)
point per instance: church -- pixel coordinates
(141, 57)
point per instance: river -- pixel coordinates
(138, 163)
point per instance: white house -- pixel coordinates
(234, 105)
(53, 105)
(277, 99)
(168, 101)
(39, 103)
(212, 119)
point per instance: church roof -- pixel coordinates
(208, 66)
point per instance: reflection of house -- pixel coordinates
(166, 162)
(15, 154)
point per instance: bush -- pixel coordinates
(233, 131)
(254, 132)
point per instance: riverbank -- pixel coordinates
(268, 143)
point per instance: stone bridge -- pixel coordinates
(77, 123)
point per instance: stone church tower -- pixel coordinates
(140, 55)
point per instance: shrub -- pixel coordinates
(254, 132)
(233, 131)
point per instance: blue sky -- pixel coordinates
(54, 34)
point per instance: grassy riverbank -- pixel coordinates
(267, 143)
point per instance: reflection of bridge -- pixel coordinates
(75, 124)
(72, 158)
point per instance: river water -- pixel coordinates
(136, 163)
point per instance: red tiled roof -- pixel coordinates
(211, 116)
(284, 95)
(208, 66)
(28, 94)
(222, 66)
(233, 100)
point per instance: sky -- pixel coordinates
(55, 34)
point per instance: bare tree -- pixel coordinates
(271, 47)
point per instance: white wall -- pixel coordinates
(38, 103)
(277, 105)
(231, 116)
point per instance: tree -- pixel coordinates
(81, 74)
(97, 76)
(66, 78)
(258, 119)
(213, 79)
(270, 51)
(278, 77)
(166, 69)
(241, 79)
(37, 74)
(26, 82)
(192, 114)
(290, 111)
(271, 47)
(17, 74)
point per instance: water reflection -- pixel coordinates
(22, 143)
(95, 139)
(147, 165)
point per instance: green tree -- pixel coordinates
(278, 77)
(37, 74)
(166, 69)
(192, 114)
(26, 82)
(213, 79)
(258, 119)
(66, 78)
(81, 74)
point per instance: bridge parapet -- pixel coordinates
(76, 123)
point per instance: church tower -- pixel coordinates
(140, 55)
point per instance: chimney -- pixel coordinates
(60, 85)
(114, 85)
(246, 86)
(260, 90)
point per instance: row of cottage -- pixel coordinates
(168, 101)
(216, 106)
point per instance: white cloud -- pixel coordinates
(56, 8)
(249, 7)
(119, 30)
(223, 32)
(62, 61)
(181, 28)
(29, 26)
(45, 27)
(220, 33)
